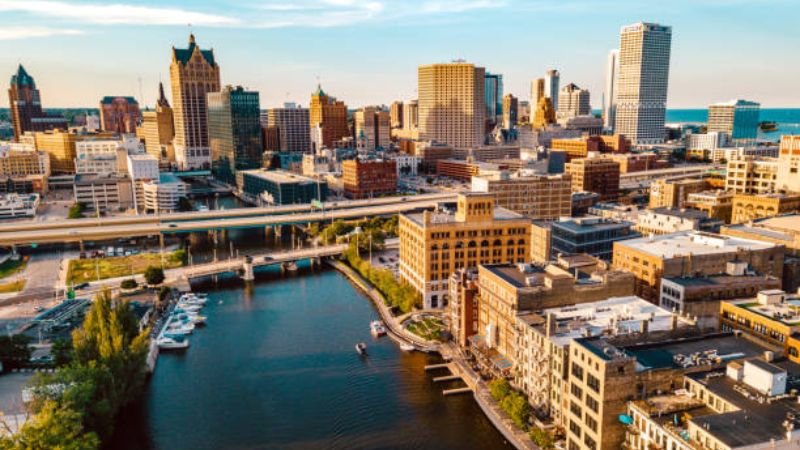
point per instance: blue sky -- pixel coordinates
(367, 51)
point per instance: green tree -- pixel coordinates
(53, 428)
(129, 283)
(76, 211)
(499, 389)
(62, 352)
(517, 407)
(14, 351)
(542, 438)
(154, 275)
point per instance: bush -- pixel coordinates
(154, 275)
(514, 403)
(397, 294)
(76, 211)
(129, 283)
(542, 438)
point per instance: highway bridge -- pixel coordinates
(15, 235)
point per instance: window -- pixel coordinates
(577, 371)
(593, 382)
(591, 423)
(576, 391)
(575, 428)
(575, 409)
(592, 403)
(590, 442)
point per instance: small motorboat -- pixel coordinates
(407, 347)
(168, 343)
(361, 348)
(377, 329)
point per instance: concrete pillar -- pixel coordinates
(14, 251)
(278, 231)
(248, 275)
(81, 245)
(161, 241)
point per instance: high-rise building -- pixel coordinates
(493, 92)
(119, 114)
(452, 107)
(641, 92)
(293, 127)
(60, 145)
(609, 96)
(510, 111)
(573, 102)
(544, 115)
(158, 130)
(537, 91)
(234, 132)
(328, 119)
(372, 127)
(737, 118)
(551, 86)
(788, 177)
(396, 114)
(193, 73)
(26, 107)
(411, 115)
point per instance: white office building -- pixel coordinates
(609, 97)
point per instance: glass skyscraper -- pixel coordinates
(234, 132)
(493, 91)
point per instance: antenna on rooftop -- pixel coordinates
(141, 94)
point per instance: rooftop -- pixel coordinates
(278, 176)
(447, 216)
(692, 242)
(786, 312)
(693, 214)
(720, 280)
(590, 224)
(168, 177)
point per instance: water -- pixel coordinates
(276, 369)
(788, 120)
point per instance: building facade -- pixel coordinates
(738, 119)
(369, 178)
(600, 175)
(327, 120)
(788, 176)
(751, 175)
(573, 102)
(533, 195)
(157, 130)
(119, 114)
(234, 132)
(278, 187)
(25, 107)
(293, 126)
(452, 106)
(590, 235)
(373, 129)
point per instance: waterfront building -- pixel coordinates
(590, 235)
(641, 92)
(15, 206)
(717, 204)
(788, 176)
(572, 102)
(279, 187)
(452, 106)
(747, 208)
(595, 174)
(119, 114)
(234, 132)
(369, 178)
(736, 118)
(670, 220)
(493, 95)
(463, 306)
(751, 175)
(157, 130)
(667, 193)
(435, 244)
(372, 127)
(691, 254)
(510, 111)
(327, 119)
(609, 97)
(396, 115)
(103, 192)
(537, 196)
(551, 86)
(163, 193)
(193, 74)
(25, 107)
(292, 124)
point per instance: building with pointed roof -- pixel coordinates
(157, 129)
(26, 108)
(328, 119)
(194, 73)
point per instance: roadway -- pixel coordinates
(9, 236)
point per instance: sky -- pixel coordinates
(366, 51)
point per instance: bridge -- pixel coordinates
(34, 233)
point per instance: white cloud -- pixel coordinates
(115, 13)
(12, 33)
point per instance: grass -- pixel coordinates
(14, 286)
(429, 328)
(12, 266)
(83, 270)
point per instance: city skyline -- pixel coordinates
(276, 49)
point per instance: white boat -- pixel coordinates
(377, 328)
(193, 299)
(183, 307)
(361, 348)
(407, 347)
(291, 266)
(180, 326)
(168, 343)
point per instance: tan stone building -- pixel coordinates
(751, 175)
(451, 103)
(534, 195)
(717, 204)
(435, 244)
(788, 176)
(60, 145)
(599, 175)
(541, 236)
(158, 130)
(372, 127)
(665, 193)
(751, 207)
(328, 120)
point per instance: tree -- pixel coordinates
(154, 275)
(54, 427)
(129, 283)
(62, 352)
(499, 389)
(76, 211)
(542, 438)
(14, 351)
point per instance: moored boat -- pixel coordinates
(407, 347)
(168, 343)
(361, 348)
(377, 329)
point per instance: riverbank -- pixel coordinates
(518, 438)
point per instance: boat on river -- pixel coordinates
(168, 343)
(377, 329)
(361, 348)
(407, 347)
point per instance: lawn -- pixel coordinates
(14, 286)
(83, 270)
(428, 327)
(12, 266)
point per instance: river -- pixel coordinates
(276, 369)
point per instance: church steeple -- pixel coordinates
(191, 39)
(162, 99)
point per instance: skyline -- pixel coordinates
(371, 49)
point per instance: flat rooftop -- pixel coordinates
(682, 213)
(448, 216)
(789, 223)
(787, 313)
(511, 274)
(697, 243)
(279, 176)
(591, 224)
(168, 177)
(720, 280)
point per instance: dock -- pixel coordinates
(461, 390)
(446, 378)
(437, 366)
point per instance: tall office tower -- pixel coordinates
(642, 84)
(292, 123)
(737, 118)
(119, 114)
(452, 106)
(234, 132)
(537, 91)
(609, 96)
(158, 129)
(544, 115)
(26, 106)
(396, 114)
(573, 102)
(411, 115)
(551, 86)
(193, 73)
(328, 119)
(493, 91)
(372, 127)
(510, 111)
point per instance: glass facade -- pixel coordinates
(596, 239)
(234, 132)
(493, 93)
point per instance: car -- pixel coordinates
(38, 308)
(173, 225)
(80, 286)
